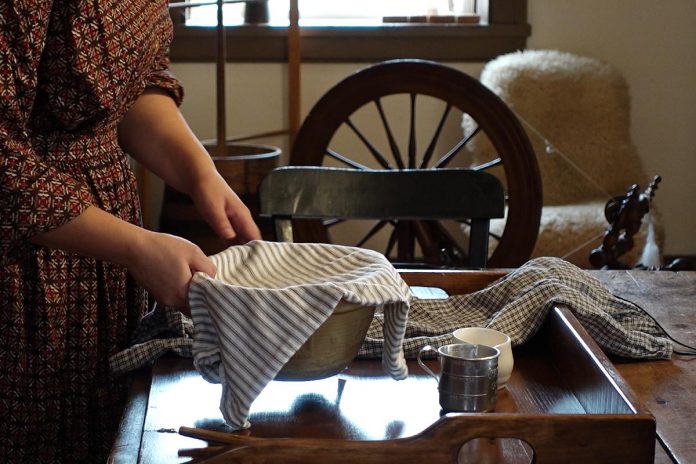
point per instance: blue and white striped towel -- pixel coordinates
(268, 298)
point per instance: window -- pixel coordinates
(355, 13)
(353, 31)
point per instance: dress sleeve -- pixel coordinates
(34, 196)
(161, 77)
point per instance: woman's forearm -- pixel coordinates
(162, 263)
(155, 134)
(97, 234)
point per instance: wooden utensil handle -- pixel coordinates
(289, 454)
(557, 438)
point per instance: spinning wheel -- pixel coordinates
(337, 132)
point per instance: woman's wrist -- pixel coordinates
(196, 183)
(133, 247)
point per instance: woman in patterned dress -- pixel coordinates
(82, 83)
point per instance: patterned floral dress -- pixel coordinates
(69, 70)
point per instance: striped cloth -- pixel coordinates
(266, 300)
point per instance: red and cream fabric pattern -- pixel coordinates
(69, 71)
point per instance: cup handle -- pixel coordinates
(422, 364)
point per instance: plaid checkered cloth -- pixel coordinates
(517, 305)
(162, 330)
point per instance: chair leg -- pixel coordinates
(478, 243)
(283, 230)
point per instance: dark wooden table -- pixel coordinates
(666, 388)
(172, 394)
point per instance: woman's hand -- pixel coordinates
(222, 209)
(164, 264)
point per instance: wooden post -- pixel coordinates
(294, 70)
(220, 81)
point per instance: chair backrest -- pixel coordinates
(295, 192)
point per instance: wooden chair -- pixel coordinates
(413, 199)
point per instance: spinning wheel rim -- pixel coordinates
(455, 88)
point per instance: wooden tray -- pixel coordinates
(565, 402)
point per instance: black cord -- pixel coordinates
(674, 340)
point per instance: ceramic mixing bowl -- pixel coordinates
(332, 346)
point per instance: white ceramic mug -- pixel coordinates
(489, 337)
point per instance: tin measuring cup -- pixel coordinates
(468, 378)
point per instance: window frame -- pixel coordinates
(507, 30)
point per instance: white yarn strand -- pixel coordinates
(551, 149)
(582, 245)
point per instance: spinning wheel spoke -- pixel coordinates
(390, 135)
(412, 135)
(436, 136)
(492, 235)
(427, 240)
(489, 165)
(371, 233)
(435, 242)
(345, 160)
(391, 242)
(331, 222)
(375, 152)
(445, 160)
(495, 236)
(449, 245)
